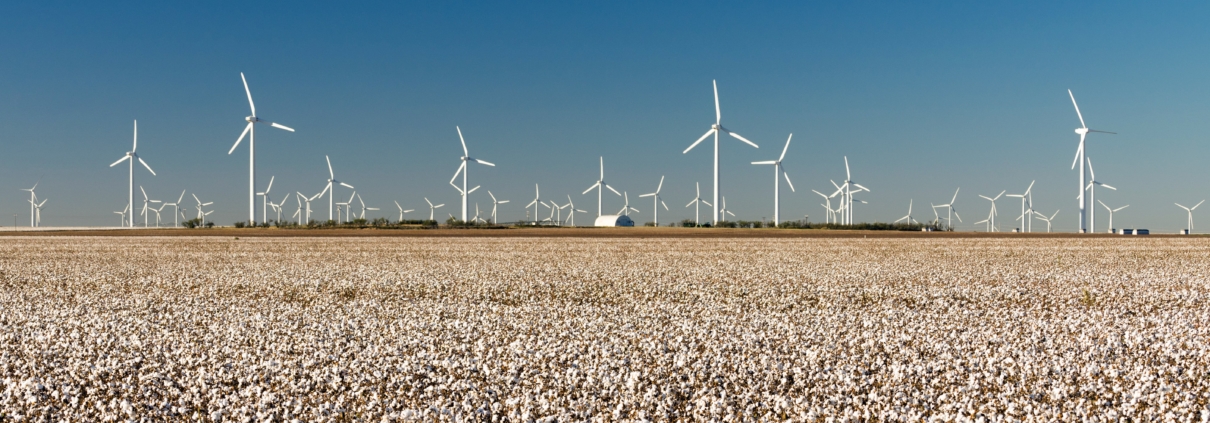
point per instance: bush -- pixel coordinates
(240, 224)
(192, 223)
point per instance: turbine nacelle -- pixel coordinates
(1082, 131)
(252, 119)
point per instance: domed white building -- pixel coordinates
(614, 220)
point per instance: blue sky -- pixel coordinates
(922, 98)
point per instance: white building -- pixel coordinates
(614, 220)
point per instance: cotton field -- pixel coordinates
(492, 329)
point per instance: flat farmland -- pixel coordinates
(603, 329)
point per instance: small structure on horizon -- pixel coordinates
(608, 220)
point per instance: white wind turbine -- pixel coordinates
(264, 201)
(1190, 211)
(1080, 153)
(38, 212)
(1025, 198)
(571, 211)
(146, 205)
(848, 192)
(535, 203)
(830, 215)
(601, 185)
(626, 209)
(250, 132)
(723, 210)
(1111, 212)
(951, 211)
(176, 210)
(132, 156)
(331, 180)
(656, 200)
(495, 203)
(121, 217)
(278, 207)
(1092, 194)
(33, 198)
(908, 217)
(300, 197)
(200, 214)
(463, 169)
(778, 172)
(1043, 218)
(348, 210)
(696, 203)
(364, 208)
(402, 211)
(714, 130)
(432, 208)
(991, 216)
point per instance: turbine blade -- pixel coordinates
(661, 185)
(614, 190)
(119, 161)
(463, 140)
(791, 184)
(483, 162)
(146, 166)
(699, 140)
(662, 204)
(718, 113)
(1073, 103)
(346, 185)
(736, 136)
(249, 92)
(136, 136)
(766, 162)
(955, 196)
(472, 189)
(590, 188)
(786, 148)
(280, 126)
(1107, 186)
(270, 184)
(241, 138)
(331, 175)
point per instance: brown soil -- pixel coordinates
(636, 232)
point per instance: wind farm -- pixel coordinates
(534, 291)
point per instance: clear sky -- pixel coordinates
(922, 98)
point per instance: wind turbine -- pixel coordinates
(122, 217)
(1190, 211)
(714, 130)
(908, 217)
(696, 203)
(723, 211)
(132, 156)
(462, 169)
(656, 200)
(535, 203)
(601, 185)
(829, 217)
(146, 205)
(778, 171)
(176, 210)
(278, 207)
(848, 192)
(432, 208)
(264, 201)
(572, 210)
(1025, 197)
(951, 211)
(1083, 132)
(402, 211)
(250, 131)
(1111, 212)
(364, 208)
(348, 209)
(991, 216)
(331, 180)
(200, 213)
(494, 204)
(1092, 194)
(38, 212)
(626, 209)
(302, 198)
(1043, 218)
(33, 198)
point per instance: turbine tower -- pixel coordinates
(778, 172)
(1092, 193)
(132, 156)
(33, 198)
(329, 187)
(696, 203)
(250, 131)
(1083, 132)
(1111, 212)
(714, 130)
(462, 169)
